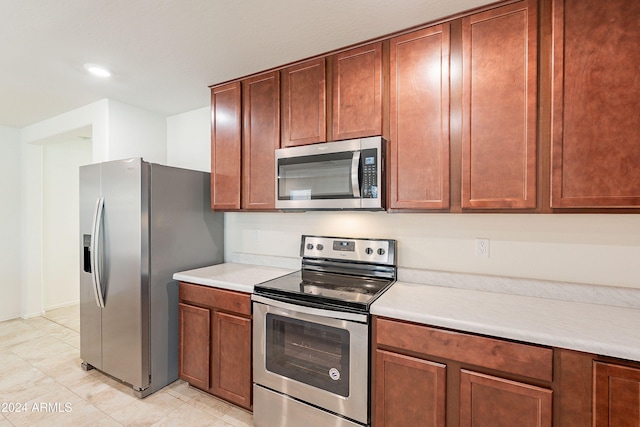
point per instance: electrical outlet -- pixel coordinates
(482, 248)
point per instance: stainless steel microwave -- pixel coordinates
(331, 176)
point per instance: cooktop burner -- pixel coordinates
(337, 273)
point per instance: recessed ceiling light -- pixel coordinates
(97, 70)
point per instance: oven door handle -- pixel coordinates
(362, 318)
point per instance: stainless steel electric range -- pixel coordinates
(311, 334)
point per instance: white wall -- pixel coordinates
(117, 131)
(90, 120)
(133, 132)
(190, 140)
(31, 249)
(10, 223)
(60, 218)
(586, 248)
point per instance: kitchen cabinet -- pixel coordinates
(461, 379)
(410, 391)
(419, 144)
(194, 348)
(231, 373)
(616, 395)
(573, 383)
(260, 139)
(499, 87)
(226, 128)
(596, 100)
(215, 342)
(419, 126)
(530, 106)
(353, 89)
(304, 108)
(486, 400)
(357, 92)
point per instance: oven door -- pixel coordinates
(311, 355)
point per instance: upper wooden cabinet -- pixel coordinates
(304, 108)
(596, 104)
(419, 132)
(226, 147)
(357, 92)
(527, 106)
(499, 78)
(260, 139)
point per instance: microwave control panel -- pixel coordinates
(369, 165)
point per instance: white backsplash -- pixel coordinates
(564, 291)
(573, 248)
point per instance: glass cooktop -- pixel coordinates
(325, 290)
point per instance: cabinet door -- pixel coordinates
(616, 396)
(596, 104)
(357, 92)
(409, 391)
(225, 147)
(496, 402)
(231, 358)
(419, 143)
(499, 107)
(261, 137)
(194, 344)
(304, 108)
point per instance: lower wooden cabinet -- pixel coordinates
(486, 400)
(195, 351)
(232, 358)
(410, 391)
(428, 376)
(215, 342)
(616, 395)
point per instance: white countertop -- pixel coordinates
(232, 276)
(593, 328)
(594, 319)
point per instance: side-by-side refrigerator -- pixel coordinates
(140, 223)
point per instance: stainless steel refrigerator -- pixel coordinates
(139, 223)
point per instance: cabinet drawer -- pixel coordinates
(236, 302)
(519, 359)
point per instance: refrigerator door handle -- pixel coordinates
(95, 253)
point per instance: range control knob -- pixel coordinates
(319, 246)
(309, 246)
(381, 251)
(368, 251)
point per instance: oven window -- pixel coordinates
(309, 353)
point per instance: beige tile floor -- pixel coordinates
(42, 384)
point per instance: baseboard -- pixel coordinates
(63, 305)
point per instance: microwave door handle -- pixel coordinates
(355, 167)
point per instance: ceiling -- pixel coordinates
(165, 53)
